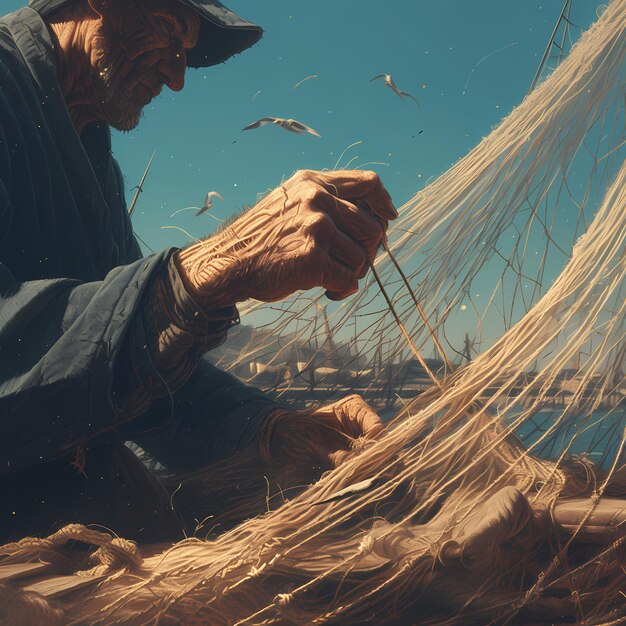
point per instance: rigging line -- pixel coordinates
(570, 22)
(418, 306)
(565, 34)
(402, 328)
(544, 58)
(145, 244)
(140, 186)
(545, 229)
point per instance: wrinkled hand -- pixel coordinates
(324, 437)
(309, 232)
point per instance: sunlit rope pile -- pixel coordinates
(410, 550)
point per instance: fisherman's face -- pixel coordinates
(135, 51)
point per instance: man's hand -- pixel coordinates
(315, 230)
(324, 437)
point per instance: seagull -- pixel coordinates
(389, 82)
(292, 125)
(208, 202)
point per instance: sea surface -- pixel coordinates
(597, 435)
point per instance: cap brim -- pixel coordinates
(222, 33)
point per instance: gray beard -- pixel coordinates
(118, 108)
(122, 114)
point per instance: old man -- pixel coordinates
(99, 346)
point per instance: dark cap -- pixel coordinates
(222, 32)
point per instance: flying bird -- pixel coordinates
(392, 85)
(292, 125)
(208, 202)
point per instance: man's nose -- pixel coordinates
(173, 69)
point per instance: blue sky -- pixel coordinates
(468, 62)
(430, 47)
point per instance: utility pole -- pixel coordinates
(327, 348)
(356, 355)
(467, 348)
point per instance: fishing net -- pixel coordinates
(491, 496)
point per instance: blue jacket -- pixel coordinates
(71, 286)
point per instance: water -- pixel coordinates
(597, 435)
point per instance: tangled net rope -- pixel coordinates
(462, 523)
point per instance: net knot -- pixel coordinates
(366, 545)
(360, 443)
(283, 599)
(118, 555)
(255, 571)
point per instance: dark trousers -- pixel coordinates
(115, 490)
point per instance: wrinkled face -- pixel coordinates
(138, 50)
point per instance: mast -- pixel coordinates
(562, 17)
(327, 347)
(467, 348)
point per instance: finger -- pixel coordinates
(346, 251)
(359, 185)
(359, 419)
(365, 207)
(339, 280)
(372, 425)
(357, 223)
